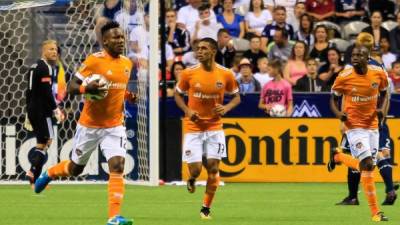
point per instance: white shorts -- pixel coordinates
(363, 143)
(112, 143)
(211, 144)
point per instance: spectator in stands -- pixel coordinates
(348, 10)
(108, 12)
(277, 91)
(385, 7)
(311, 82)
(216, 7)
(331, 69)
(190, 58)
(247, 83)
(321, 9)
(279, 15)
(231, 21)
(176, 71)
(320, 49)
(254, 53)
(296, 68)
(280, 48)
(376, 28)
(178, 4)
(226, 52)
(188, 15)
(257, 17)
(139, 41)
(395, 37)
(299, 10)
(131, 19)
(305, 32)
(289, 6)
(205, 26)
(387, 57)
(262, 76)
(395, 76)
(178, 38)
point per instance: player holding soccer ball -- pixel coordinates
(101, 121)
(205, 84)
(277, 91)
(41, 106)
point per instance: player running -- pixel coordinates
(205, 84)
(101, 122)
(384, 155)
(361, 85)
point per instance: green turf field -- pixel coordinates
(235, 204)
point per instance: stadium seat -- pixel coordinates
(352, 29)
(340, 44)
(334, 30)
(389, 25)
(240, 44)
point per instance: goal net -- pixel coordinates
(24, 25)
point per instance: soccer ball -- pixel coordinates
(102, 80)
(278, 110)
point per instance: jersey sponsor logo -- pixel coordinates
(205, 96)
(305, 110)
(117, 86)
(46, 79)
(363, 99)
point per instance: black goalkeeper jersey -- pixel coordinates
(39, 96)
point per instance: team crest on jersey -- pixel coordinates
(219, 84)
(197, 85)
(375, 85)
(359, 145)
(126, 71)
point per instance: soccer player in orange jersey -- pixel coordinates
(205, 85)
(101, 121)
(361, 86)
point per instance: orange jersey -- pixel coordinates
(206, 89)
(107, 112)
(360, 95)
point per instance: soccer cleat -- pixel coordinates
(332, 164)
(42, 182)
(119, 220)
(349, 201)
(205, 213)
(191, 185)
(379, 217)
(390, 198)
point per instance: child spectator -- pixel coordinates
(277, 91)
(262, 76)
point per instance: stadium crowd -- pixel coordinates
(313, 39)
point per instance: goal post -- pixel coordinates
(24, 25)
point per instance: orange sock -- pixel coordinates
(368, 183)
(59, 170)
(116, 191)
(211, 188)
(347, 160)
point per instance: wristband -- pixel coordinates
(82, 89)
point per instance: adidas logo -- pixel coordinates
(305, 110)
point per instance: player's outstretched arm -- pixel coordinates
(334, 104)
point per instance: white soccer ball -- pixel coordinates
(278, 110)
(102, 80)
